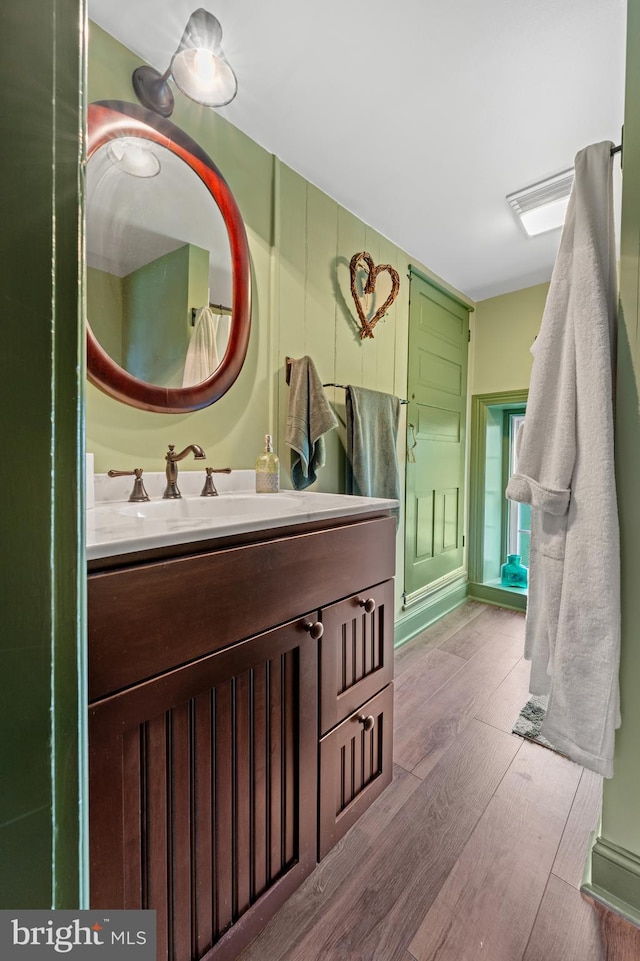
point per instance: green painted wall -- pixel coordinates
(41, 589)
(143, 320)
(105, 310)
(156, 300)
(504, 329)
(615, 863)
(198, 282)
(301, 242)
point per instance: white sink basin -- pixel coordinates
(205, 508)
(120, 527)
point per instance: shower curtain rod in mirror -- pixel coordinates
(220, 308)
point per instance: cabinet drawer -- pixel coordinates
(355, 767)
(356, 652)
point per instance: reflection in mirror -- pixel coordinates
(159, 267)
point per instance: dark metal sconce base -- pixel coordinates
(152, 90)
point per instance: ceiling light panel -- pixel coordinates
(542, 206)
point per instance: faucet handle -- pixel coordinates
(138, 494)
(209, 489)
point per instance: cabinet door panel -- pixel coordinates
(203, 793)
(204, 839)
(355, 767)
(356, 652)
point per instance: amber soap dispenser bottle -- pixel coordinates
(267, 469)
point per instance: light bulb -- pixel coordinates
(204, 77)
(133, 156)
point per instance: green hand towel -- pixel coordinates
(372, 433)
(309, 417)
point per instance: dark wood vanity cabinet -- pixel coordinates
(203, 791)
(218, 780)
(356, 709)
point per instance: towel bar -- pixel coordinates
(287, 376)
(343, 387)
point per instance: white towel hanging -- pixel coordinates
(202, 353)
(566, 472)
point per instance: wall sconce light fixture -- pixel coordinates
(198, 67)
(133, 156)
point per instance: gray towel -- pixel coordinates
(372, 432)
(308, 418)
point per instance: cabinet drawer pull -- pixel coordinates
(315, 629)
(368, 723)
(369, 605)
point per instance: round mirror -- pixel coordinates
(168, 285)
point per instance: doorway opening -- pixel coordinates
(518, 521)
(498, 528)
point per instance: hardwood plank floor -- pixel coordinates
(386, 897)
(505, 704)
(505, 865)
(413, 651)
(468, 640)
(476, 848)
(620, 938)
(584, 818)
(451, 708)
(381, 815)
(428, 675)
(566, 928)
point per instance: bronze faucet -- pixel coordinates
(171, 490)
(209, 489)
(138, 494)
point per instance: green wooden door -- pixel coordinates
(437, 390)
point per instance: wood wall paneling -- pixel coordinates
(349, 353)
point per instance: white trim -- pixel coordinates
(425, 592)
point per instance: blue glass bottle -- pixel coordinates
(513, 573)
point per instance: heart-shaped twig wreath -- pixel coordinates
(369, 287)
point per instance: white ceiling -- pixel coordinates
(419, 116)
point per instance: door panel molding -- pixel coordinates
(437, 390)
(438, 423)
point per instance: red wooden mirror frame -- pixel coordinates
(108, 120)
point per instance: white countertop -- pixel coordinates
(116, 526)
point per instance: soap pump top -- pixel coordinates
(268, 469)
